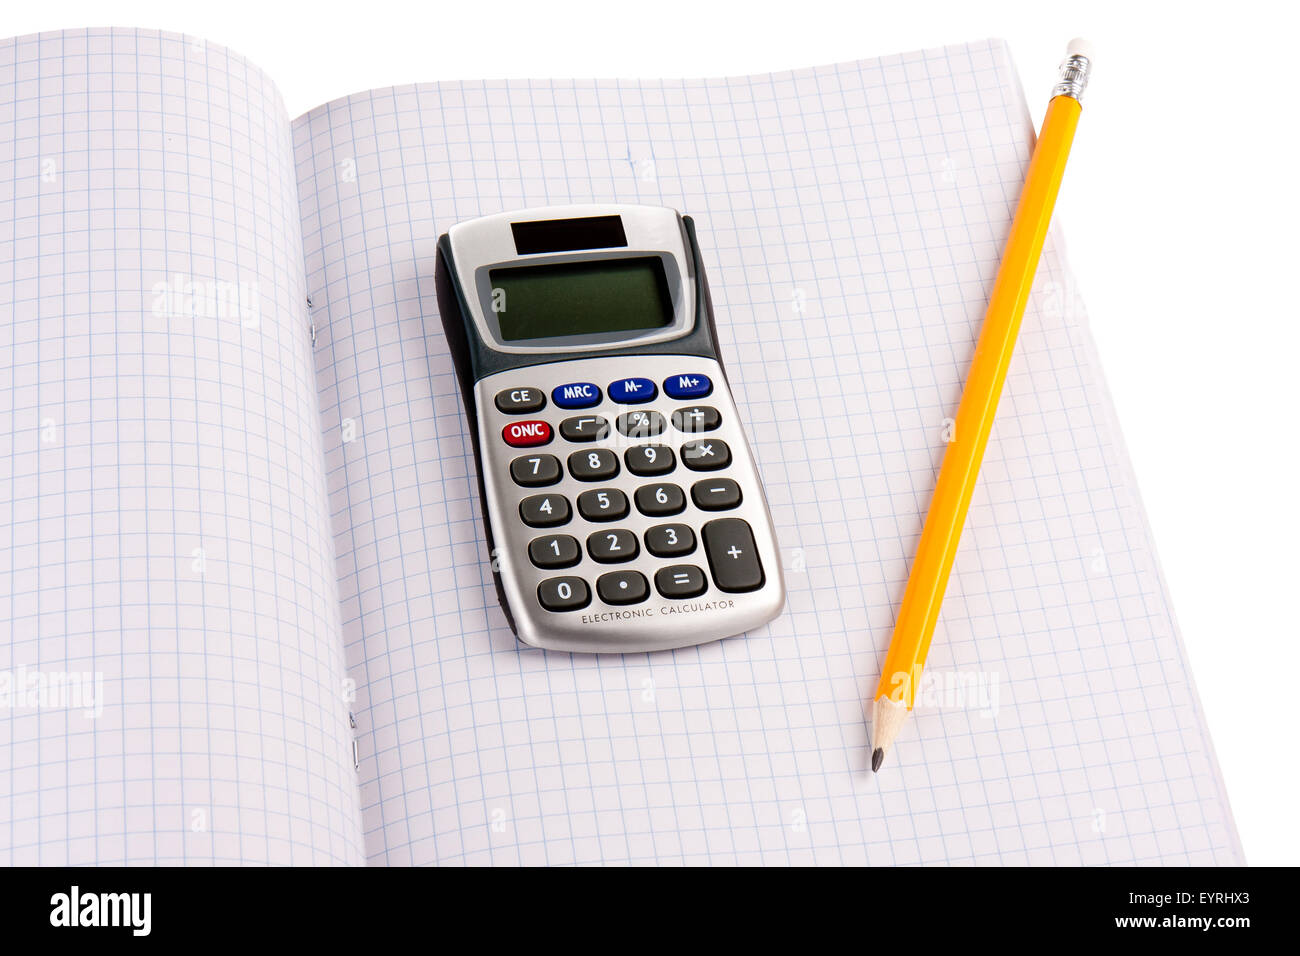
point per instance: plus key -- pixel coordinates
(706, 454)
(733, 556)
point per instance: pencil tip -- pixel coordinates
(877, 758)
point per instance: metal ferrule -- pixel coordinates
(1074, 77)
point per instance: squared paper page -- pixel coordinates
(851, 218)
(163, 519)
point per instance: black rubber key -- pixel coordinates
(613, 546)
(554, 551)
(603, 504)
(650, 460)
(535, 471)
(545, 511)
(521, 401)
(595, 464)
(670, 540)
(584, 428)
(706, 454)
(622, 587)
(733, 556)
(641, 424)
(696, 418)
(715, 494)
(655, 500)
(680, 581)
(563, 594)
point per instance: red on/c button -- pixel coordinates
(525, 434)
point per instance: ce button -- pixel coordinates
(521, 401)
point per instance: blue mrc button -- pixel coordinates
(629, 391)
(687, 386)
(576, 395)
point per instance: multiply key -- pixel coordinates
(706, 454)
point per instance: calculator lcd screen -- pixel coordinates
(580, 298)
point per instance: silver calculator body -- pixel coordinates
(624, 511)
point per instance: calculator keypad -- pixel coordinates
(644, 500)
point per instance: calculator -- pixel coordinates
(624, 512)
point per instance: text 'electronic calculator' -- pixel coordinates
(623, 508)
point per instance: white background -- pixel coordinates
(1180, 208)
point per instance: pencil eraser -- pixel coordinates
(1079, 47)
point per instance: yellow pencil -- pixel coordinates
(979, 402)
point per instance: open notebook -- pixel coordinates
(233, 525)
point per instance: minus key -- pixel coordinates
(716, 494)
